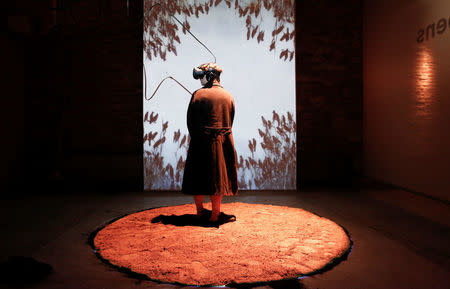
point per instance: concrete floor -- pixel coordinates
(401, 240)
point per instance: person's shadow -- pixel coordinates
(190, 220)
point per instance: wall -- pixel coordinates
(79, 94)
(407, 94)
(74, 118)
(329, 92)
(12, 116)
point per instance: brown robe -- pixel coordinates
(211, 163)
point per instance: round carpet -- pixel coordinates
(265, 243)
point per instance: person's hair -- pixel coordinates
(211, 68)
(216, 76)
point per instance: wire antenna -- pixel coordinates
(145, 95)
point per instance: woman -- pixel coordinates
(211, 163)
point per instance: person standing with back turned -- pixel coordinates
(211, 162)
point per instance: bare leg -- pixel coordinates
(215, 200)
(199, 203)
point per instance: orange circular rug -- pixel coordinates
(265, 243)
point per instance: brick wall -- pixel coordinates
(329, 91)
(83, 93)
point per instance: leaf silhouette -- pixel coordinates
(158, 142)
(159, 172)
(278, 30)
(257, 9)
(261, 133)
(263, 120)
(176, 135)
(254, 31)
(248, 21)
(153, 118)
(285, 36)
(275, 117)
(171, 173)
(272, 46)
(245, 11)
(277, 168)
(260, 36)
(161, 30)
(183, 141)
(180, 163)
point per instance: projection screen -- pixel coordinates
(253, 42)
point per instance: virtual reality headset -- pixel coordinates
(198, 73)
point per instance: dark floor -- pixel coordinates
(401, 240)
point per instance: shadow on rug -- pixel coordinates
(193, 220)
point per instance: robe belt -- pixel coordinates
(217, 132)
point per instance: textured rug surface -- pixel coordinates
(265, 243)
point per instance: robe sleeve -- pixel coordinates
(192, 116)
(232, 112)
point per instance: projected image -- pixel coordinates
(253, 42)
